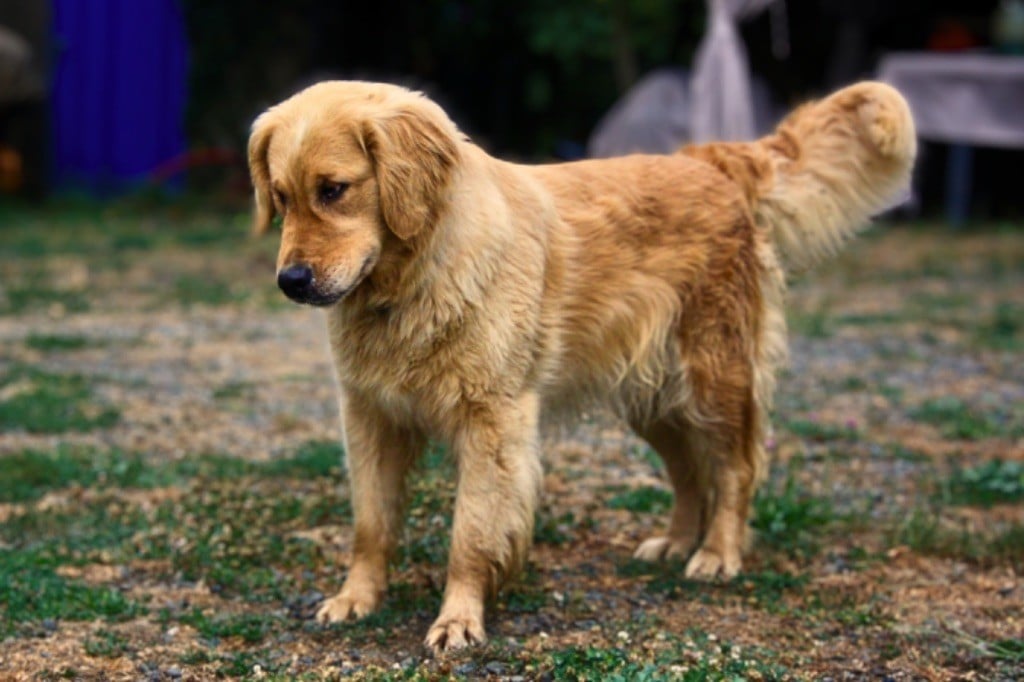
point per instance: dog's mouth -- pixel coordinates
(314, 295)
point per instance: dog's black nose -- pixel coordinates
(295, 280)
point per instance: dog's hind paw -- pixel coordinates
(662, 547)
(454, 633)
(707, 564)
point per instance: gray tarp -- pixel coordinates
(962, 98)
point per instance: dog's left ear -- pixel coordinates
(414, 157)
(259, 171)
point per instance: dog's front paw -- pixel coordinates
(349, 604)
(449, 634)
(663, 547)
(708, 564)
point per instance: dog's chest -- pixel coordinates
(415, 368)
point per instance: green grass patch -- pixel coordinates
(205, 289)
(20, 298)
(647, 499)
(105, 644)
(790, 518)
(248, 627)
(820, 432)
(313, 459)
(926, 532)
(994, 482)
(30, 474)
(956, 419)
(1003, 329)
(553, 530)
(44, 402)
(31, 591)
(61, 342)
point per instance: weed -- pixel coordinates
(925, 532)
(994, 482)
(791, 519)
(314, 459)
(61, 342)
(1004, 330)
(249, 627)
(553, 530)
(31, 590)
(958, 420)
(643, 500)
(205, 289)
(42, 402)
(106, 644)
(820, 432)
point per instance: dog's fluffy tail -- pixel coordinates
(827, 169)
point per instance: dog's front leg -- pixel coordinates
(499, 482)
(380, 454)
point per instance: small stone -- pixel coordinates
(49, 624)
(495, 667)
(174, 672)
(466, 668)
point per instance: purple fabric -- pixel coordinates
(964, 98)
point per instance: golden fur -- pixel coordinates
(466, 296)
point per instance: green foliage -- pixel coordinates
(60, 342)
(44, 402)
(926, 532)
(957, 419)
(31, 591)
(820, 432)
(647, 499)
(106, 644)
(314, 459)
(993, 482)
(29, 474)
(791, 519)
(1004, 328)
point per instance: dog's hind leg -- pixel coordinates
(675, 441)
(380, 455)
(731, 447)
(497, 451)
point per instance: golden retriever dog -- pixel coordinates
(467, 297)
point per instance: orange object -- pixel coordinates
(11, 175)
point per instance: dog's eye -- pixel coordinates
(329, 192)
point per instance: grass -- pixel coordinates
(820, 432)
(29, 474)
(928, 532)
(46, 402)
(988, 484)
(33, 594)
(215, 562)
(789, 518)
(646, 500)
(61, 342)
(957, 419)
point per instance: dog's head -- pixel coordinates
(349, 167)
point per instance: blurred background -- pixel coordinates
(106, 97)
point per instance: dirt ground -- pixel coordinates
(173, 505)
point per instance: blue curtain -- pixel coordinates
(119, 91)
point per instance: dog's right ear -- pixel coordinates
(259, 171)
